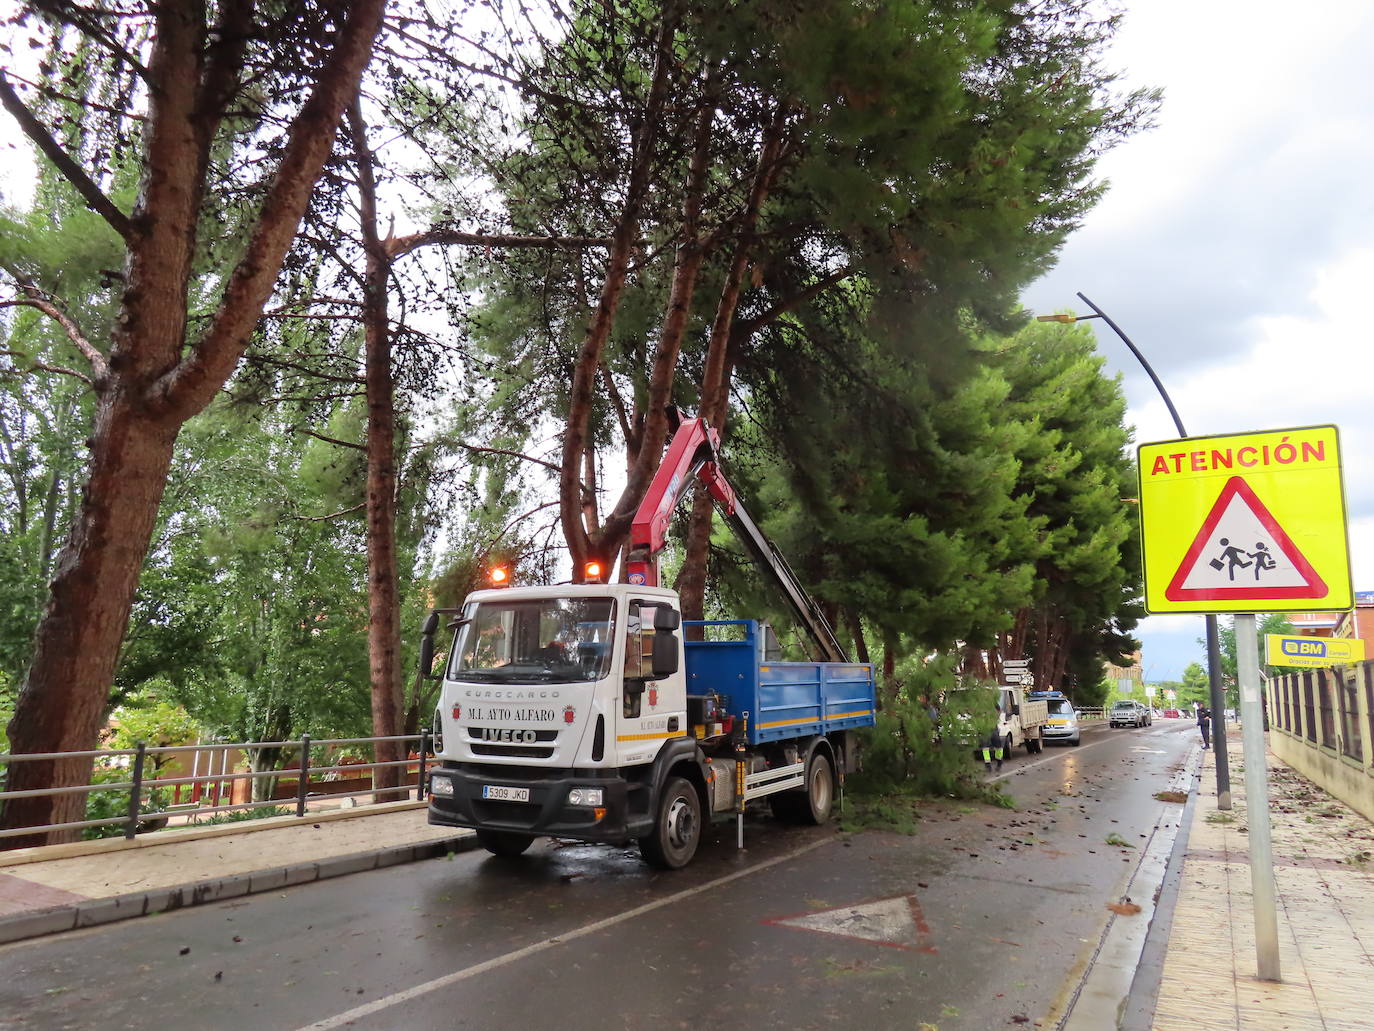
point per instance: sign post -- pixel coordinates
(1257, 800)
(1242, 524)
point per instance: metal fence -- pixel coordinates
(143, 814)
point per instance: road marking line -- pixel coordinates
(377, 1005)
(1074, 750)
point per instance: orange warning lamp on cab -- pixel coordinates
(499, 576)
(594, 572)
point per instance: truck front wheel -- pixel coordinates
(677, 831)
(506, 844)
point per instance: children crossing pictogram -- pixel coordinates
(1242, 552)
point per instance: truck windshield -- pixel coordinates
(544, 640)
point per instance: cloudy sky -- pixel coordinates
(1236, 246)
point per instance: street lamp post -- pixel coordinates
(1216, 694)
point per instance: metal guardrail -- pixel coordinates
(138, 815)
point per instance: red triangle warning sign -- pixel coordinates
(895, 923)
(1242, 553)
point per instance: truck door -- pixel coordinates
(1010, 721)
(651, 710)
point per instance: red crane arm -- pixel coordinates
(691, 453)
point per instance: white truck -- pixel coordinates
(584, 711)
(1021, 720)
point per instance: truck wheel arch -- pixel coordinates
(679, 758)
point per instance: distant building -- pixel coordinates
(1314, 624)
(1359, 621)
(1134, 673)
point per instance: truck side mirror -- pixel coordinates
(427, 646)
(666, 618)
(665, 654)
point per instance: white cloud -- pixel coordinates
(1301, 369)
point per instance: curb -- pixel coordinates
(94, 912)
(1138, 1012)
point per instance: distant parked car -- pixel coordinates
(1172, 714)
(1129, 713)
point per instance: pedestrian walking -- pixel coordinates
(1204, 724)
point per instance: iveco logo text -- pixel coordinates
(504, 734)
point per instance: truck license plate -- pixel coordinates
(503, 794)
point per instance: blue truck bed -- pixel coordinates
(783, 699)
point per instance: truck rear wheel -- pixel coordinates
(811, 803)
(677, 831)
(820, 789)
(506, 844)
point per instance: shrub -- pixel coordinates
(260, 812)
(908, 751)
(104, 804)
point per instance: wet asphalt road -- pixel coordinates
(983, 916)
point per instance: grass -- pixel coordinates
(1221, 818)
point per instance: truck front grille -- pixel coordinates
(520, 744)
(511, 751)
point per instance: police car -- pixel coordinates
(1062, 724)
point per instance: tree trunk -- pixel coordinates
(577, 432)
(691, 252)
(152, 381)
(61, 707)
(856, 630)
(889, 682)
(383, 592)
(715, 380)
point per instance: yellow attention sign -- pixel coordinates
(1281, 650)
(1247, 523)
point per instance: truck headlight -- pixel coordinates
(585, 796)
(440, 786)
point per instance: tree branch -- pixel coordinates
(278, 363)
(399, 246)
(333, 515)
(99, 367)
(332, 440)
(45, 367)
(512, 524)
(744, 330)
(35, 130)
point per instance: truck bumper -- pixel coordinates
(546, 813)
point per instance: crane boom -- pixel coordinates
(694, 452)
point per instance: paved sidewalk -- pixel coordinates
(62, 887)
(1325, 914)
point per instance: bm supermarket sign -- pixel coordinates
(1311, 651)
